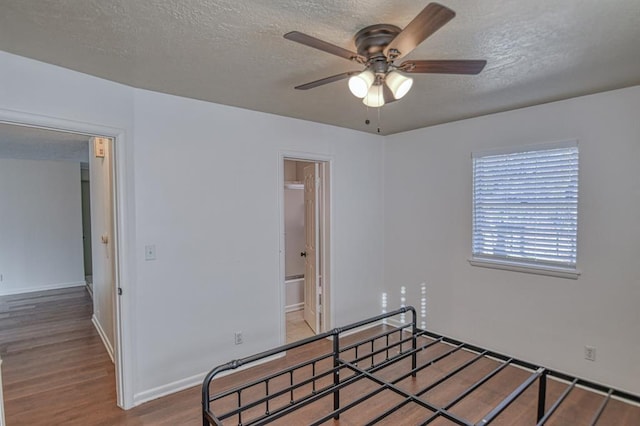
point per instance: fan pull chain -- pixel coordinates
(366, 115)
(367, 121)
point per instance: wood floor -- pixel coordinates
(57, 372)
(297, 327)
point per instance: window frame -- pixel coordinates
(527, 266)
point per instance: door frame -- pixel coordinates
(122, 306)
(314, 259)
(326, 242)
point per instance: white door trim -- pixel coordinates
(313, 189)
(327, 246)
(123, 333)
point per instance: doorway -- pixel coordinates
(96, 175)
(305, 219)
(86, 225)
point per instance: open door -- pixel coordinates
(103, 253)
(311, 253)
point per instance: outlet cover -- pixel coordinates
(590, 353)
(150, 252)
(238, 338)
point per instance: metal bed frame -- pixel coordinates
(377, 352)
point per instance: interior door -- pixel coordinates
(103, 243)
(311, 253)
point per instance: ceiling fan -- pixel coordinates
(378, 47)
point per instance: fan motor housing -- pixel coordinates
(371, 41)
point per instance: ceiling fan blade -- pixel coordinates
(327, 80)
(427, 22)
(316, 43)
(443, 66)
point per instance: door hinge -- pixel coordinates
(119, 291)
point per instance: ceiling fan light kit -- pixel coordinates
(398, 83)
(360, 84)
(378, 46)
(374, 97)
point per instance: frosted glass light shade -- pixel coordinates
(375, 97)
(398, 84)
(359, 84)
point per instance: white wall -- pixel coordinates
(40, 225)
(34, 92)
(218, 253)
(542, 319)
(217, 239)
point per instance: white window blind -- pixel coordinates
(525, 206)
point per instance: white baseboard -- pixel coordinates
(396, 323)
(103, 336)
(189, 382)
(168, 389)
(294, 307)
(359, 329)
(56, 286)
(389, 321)
(196, 380)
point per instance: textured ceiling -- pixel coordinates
(232, 52)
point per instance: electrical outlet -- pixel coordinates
(150, 252)
(590, 353)
(238, 337)
(1, 277)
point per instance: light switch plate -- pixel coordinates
(99, 147)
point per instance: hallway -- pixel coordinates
(53, 359)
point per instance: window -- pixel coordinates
(525, 209)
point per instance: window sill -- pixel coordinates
(552, 271)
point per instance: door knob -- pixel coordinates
(303, 254)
